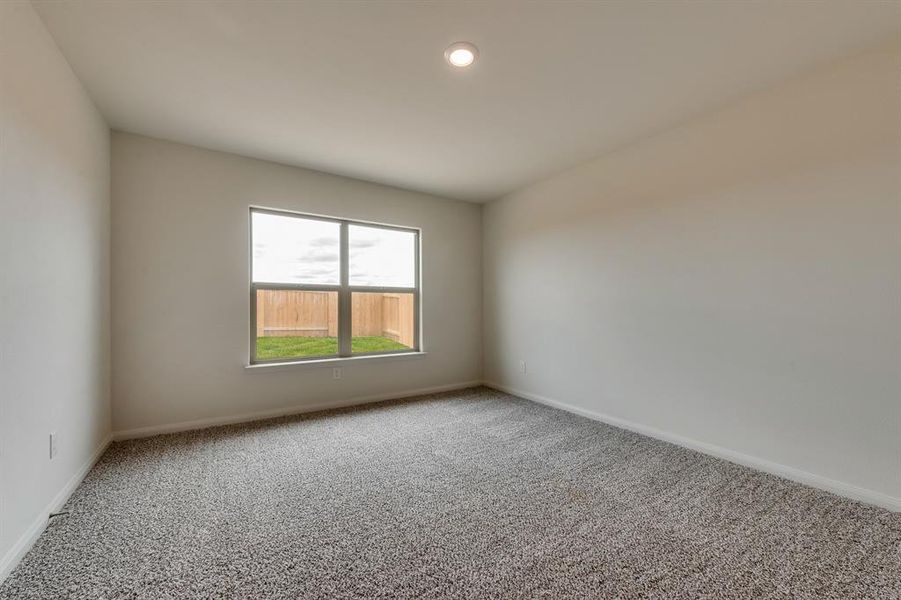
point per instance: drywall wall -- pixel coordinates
(734, 281)
(54, 278)
(180, 286)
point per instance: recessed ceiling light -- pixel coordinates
(461, 54)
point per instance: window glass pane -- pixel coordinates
(294, 324)
(381, 322)
(382, 257)
(289, 249)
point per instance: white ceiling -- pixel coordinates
(361, 88)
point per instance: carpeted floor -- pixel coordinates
(471, 494)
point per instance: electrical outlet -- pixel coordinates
(522, 366)
(54, 449)
(336, 373)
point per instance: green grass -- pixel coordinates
(269, 348)
(374, 343)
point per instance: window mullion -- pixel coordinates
(344, 296)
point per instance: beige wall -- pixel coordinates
(54, 277)
(734, 281)
(180, 285)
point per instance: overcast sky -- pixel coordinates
(297, 250)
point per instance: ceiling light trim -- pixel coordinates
(461, 55)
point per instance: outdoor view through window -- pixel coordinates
(324, 287)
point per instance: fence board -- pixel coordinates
(315, 314)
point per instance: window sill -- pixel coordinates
(332, 362)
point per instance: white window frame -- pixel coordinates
(344, 289)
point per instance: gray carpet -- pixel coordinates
(472, 494)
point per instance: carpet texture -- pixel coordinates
(472, 494)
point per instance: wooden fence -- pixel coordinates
(315, 314)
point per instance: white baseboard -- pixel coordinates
(141, 432)
(27, 540)
(824, 483)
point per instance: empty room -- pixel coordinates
(450, 299)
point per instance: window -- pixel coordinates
(327, 288)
